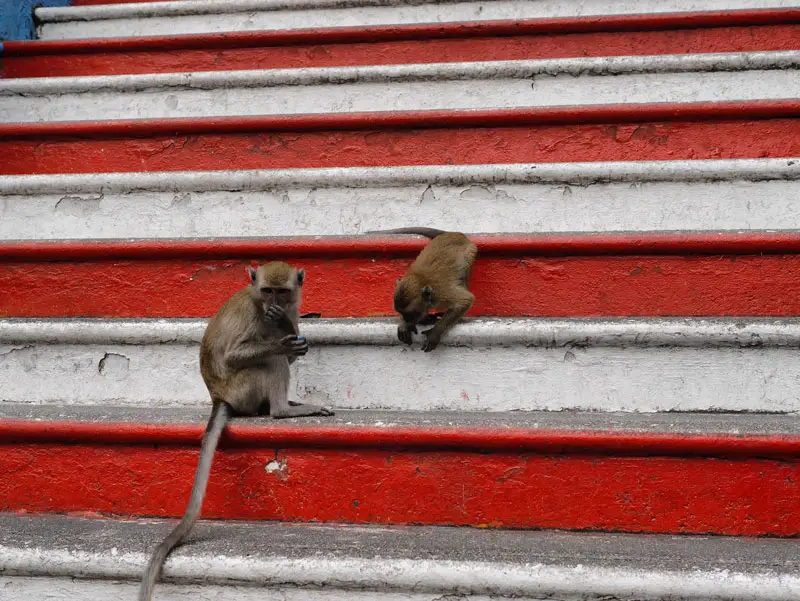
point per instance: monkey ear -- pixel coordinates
(301, 276)
(397, 283)
(252, 273)
(427, 295)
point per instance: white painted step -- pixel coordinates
(546, 197)
(204, 16)
(478, 85)
(48, 558)
(490, 364)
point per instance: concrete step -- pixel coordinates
(682, 131)
(590, 197)
(202, 16)
(634, 365)
(88, 560)
(671, 473)
(751, 273)
(613, 35)
(436, 86)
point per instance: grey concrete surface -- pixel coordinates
(679, 422)
(263, 540)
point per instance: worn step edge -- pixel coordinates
(26, 422)
(583, 244)
(479, 71)
(510, 563)
(696, 332)
(584, 174)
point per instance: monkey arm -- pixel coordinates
(447, 321)
(455, 313)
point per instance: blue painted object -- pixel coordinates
(16, 17)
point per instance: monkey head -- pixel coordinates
(276, 283)
(412, 300)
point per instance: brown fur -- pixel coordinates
(244, 360)
(437, 279)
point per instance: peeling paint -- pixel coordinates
(534, 207)
(78, 206)
(142, 20)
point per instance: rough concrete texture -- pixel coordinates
(483, 206)
(411, 560)
(498, 365)
(244, 15)
(670, 422)
(69, 589)
(502, 84)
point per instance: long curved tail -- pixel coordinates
(428, 232)
(220, 415)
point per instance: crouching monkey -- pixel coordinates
(437, 279)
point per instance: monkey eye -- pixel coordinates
(266, 290)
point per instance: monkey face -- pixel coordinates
(276, 283)
(412, 305)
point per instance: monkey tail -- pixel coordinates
(220, 414)
(428, 232)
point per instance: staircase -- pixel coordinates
(616, 419)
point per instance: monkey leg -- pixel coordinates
(246, 390)
(278, 394)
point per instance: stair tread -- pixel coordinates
(215, 543)
(665, 422)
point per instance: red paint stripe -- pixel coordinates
(407, 44)
(369, 476)
(612, 443)
(642, 274)
(558, 115)
(538, 245)
(619, 133)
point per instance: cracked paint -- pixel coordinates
(114, 366)
(78, 206)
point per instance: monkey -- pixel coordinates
(245, 355)
(438, 278)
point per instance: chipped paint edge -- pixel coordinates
(207, 7)
(489, 70)
(483, 332)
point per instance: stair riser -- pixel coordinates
(634, 133)
(596, 378)
(526, 489)
(356, 277)
(225, 96)
(64, 62)
(146, 20)
(491, 207)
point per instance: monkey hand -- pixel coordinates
(404, 332)
(294, 345)
(432, 338)
(275, 313)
